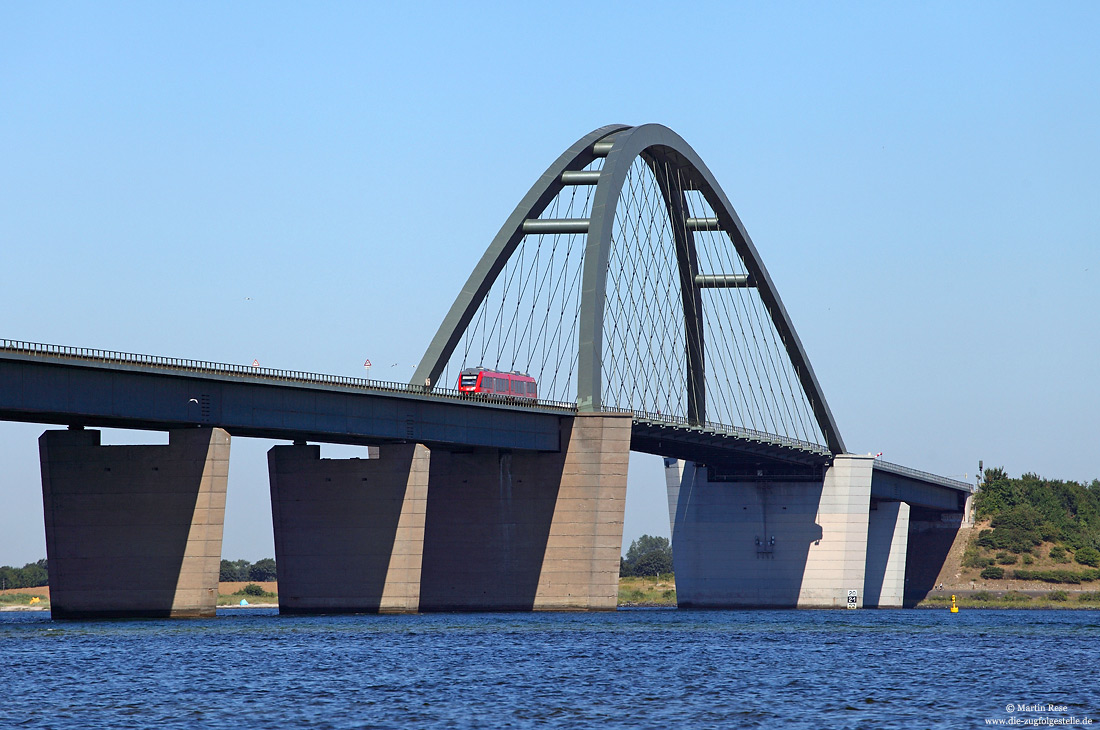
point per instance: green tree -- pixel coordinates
(648, 555)
(997, 493)
(35, 574)
(234, 570)
(30, 575)
(1032, 508)
(1017, 528)
(263, 570)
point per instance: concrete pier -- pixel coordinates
(887, 542)
(771, 544)
(435, 530)
(837, 563)
(349, 533)
(134, 530)
(526, 530)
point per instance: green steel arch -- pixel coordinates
(662, 150)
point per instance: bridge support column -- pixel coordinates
(887, 542)
(525, 530)
(348, 532)
(837, 563)
(771, 544)
(674, 477)
(134, 530)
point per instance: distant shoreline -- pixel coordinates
(643, 590)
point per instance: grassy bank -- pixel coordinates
(13, 599)
(660, 591)
(254, 593)
(1017, 599)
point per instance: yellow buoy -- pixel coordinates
(954, 607)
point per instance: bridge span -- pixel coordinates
(626, 285)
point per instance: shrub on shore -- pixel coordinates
(254, 591)
(1057, 575)
(1088, 556)
(973, 559)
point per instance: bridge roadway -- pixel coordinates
(71, 386)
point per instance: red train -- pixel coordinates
(492, 382)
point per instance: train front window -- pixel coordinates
(468, 380)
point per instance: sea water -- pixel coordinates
(643, 668)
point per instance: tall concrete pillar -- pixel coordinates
(967, 519)
(837, 563)
(674, 477)
(771, 544)
(887, 542)
(348, 532)
(134, 530)
(529, 531)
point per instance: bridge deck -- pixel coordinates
(76, 386)
(90, 387)
(893, 482)
(100, 388)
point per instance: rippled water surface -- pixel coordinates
(631, 668)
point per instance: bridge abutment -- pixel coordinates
(936, 544)
(134, 530)
(349, 533)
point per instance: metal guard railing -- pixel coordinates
(722, 428)
(924, 475)
(294, 376)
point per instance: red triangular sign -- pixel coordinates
(255, 363)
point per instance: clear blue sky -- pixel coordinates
(311, 187)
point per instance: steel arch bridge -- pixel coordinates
(624, 280)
